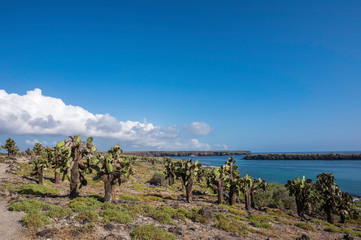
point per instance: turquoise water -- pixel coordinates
(347, 173)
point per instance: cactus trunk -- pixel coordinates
(300, 209)
(252, 199)
(113, 191)
(171, 180)
(57, 178)
(189, 191)
(74, 181)
(41, 176)
(329, 211)
(220, 191)
(248, 198)
(232, 196)
(108, 192)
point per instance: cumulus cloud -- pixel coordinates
(221, 146)
(36, 114)
(198, 128)
(35, 141)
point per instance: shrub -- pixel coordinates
(305, 225)
(115, 215)
(261, 221)
(35, 219)
(151, 232)
(158, 179)
(82, 204)
(29, 206)
(343, 230)
(131, 198)
(58, 212)
(163, 214)
(87, 228)
(155, 198)
(276, 196)
(222, 222)
(87, 214)
(36, 189)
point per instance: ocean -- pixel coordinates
(347, 173)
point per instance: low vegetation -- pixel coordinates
(162, 198)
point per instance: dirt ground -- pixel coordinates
(10, 227)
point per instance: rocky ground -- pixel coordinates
(139, 203)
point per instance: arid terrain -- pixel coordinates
(46, 212)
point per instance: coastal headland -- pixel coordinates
(185, 153)
(305, 156)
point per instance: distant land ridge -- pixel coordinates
(185, 153)
(304, 156)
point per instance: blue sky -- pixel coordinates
(259, 75)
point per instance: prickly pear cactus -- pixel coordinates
(169, 170)
(111, 169)
(77, 164)
(302, 190)
(187, 171)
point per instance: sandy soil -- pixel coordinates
(10, 227)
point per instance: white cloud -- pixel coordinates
(33, 142)
(36, 114)
(198, 128)
(224, 146)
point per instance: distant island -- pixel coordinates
(185, 153)
(305, 156)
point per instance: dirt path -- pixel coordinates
(10, 227)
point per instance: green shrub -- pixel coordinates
(151, 232)
(87, 228)
(135, 210)
(29, 206)
(119, 216)
(158, 179)
(36, 189)
(87, 214)
(58, 212)
(276, 196)
(305, 225)
(155, 198)
(35, 219)
(131, 198)
(342, 230)
(82, 204)
(234, 209)
(226, 224)
(163, 214)
(261, 221)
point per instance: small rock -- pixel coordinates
(45, 234)
(348, 237)
(86, 221)
(303, 237)
(176, 230)
(74, 233)
(109, 227)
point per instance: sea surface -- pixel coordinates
(346, 172)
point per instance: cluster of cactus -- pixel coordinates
(216, 179)
(188, 171)
(39, 161)
(233, 182)
(169, 170)
(303, 190)
(249, 187)
(77, 165)
(332, 199)
(11, 147)
(111, 169)
(59, 155)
